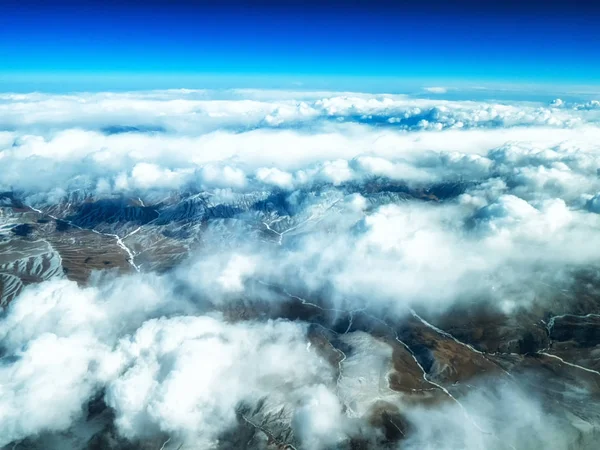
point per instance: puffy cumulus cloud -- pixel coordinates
(588, 106)
(146, 176)
(224, 176)
(59, 337)
(334, 172)
(45, 388)
(373, 166)
(187, 376)
(356, 202)
(275, 177)
(164, 367)
(320, 421)
(64, 309)
(237, 270)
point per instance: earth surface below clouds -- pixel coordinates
(310, 286)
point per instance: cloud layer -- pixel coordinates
(171, 139)
(345, 202)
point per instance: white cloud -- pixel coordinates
(185, 375)
(216, 175)
(319, 421)
(436, 90)
(275, 177)
(147, 176)
(188, 375)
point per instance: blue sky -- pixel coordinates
(530, 42)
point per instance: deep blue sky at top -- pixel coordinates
(510, 41)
